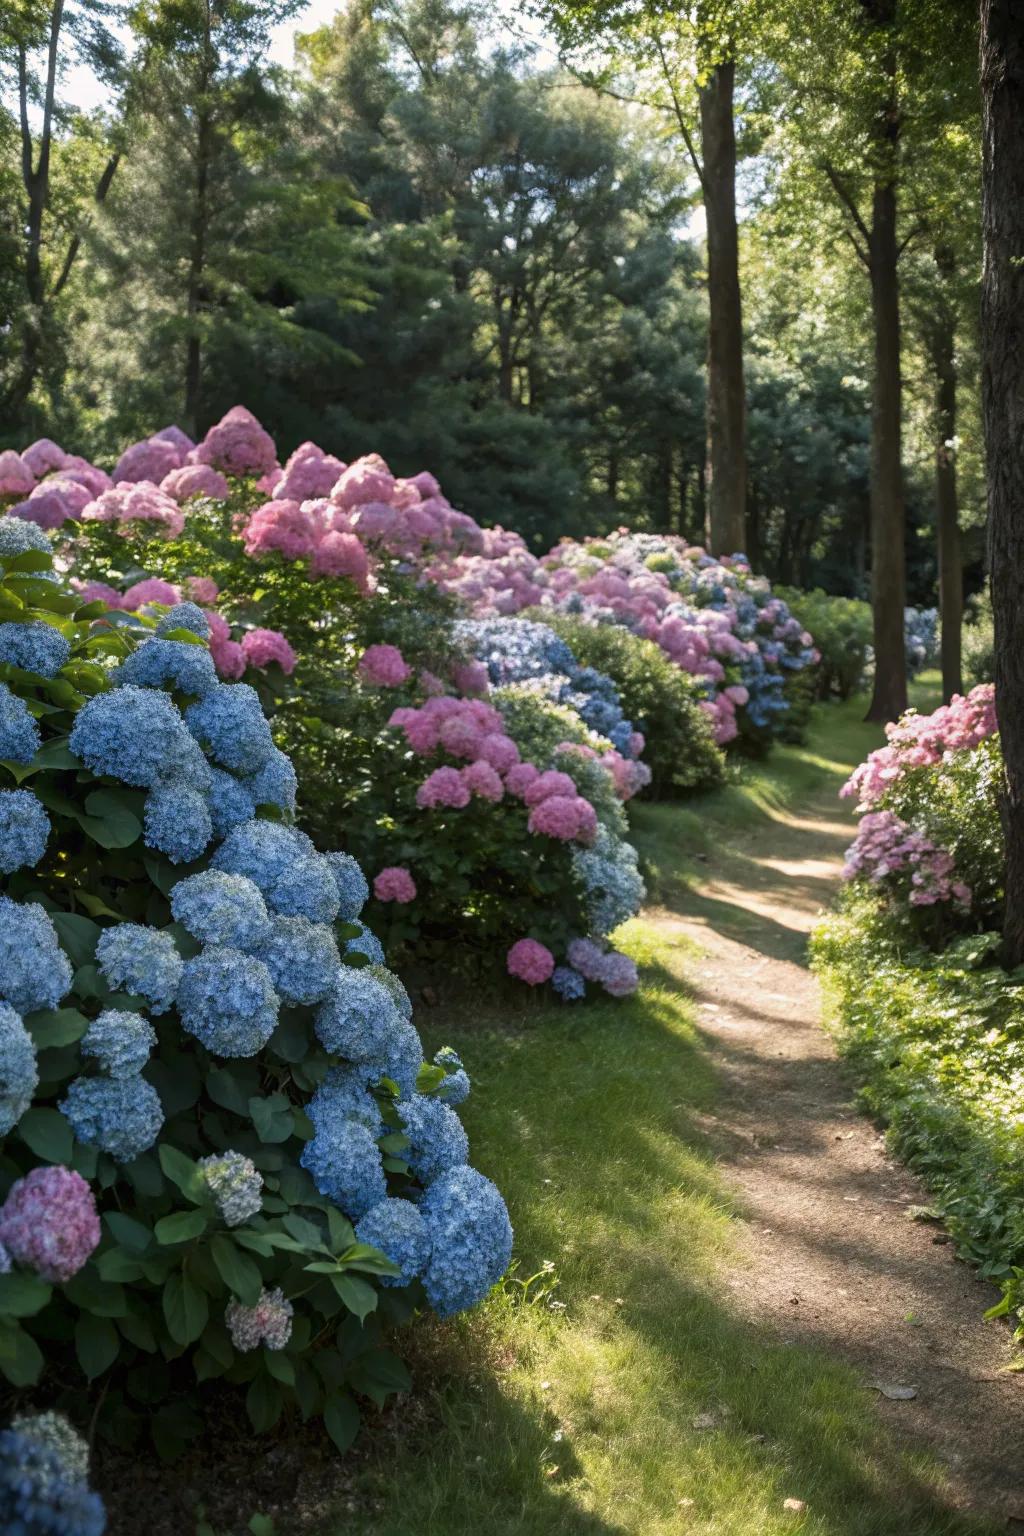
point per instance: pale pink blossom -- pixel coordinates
(394, 884)
(530, 961)
(195, 480)
(260, 647)
(384, 666)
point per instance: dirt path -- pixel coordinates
(839, 1262)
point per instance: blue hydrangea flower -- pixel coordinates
(401, 1062)
(221, 909)
(19, 733)
(368, 944)
(454, 1089)
(158, 663)
(235, 1185)
(37, 1496)
(342, 1096)
(229, 801)
(34, 971)
(55, 1432)
(17, 535)
(35, 647)
(470, 1239)
(275, 784)
(359, 1020)
(608, 871)
(353, 890)
(394, 985)
(437, 1141)
(306, 889)
(120, 1115)
(185, 616)
(346, 1166)
(230, 724)
(263, 851)
(398, 1230)
(24, 829)
(142, 961)
(19, 1073)
(302, 958)
(119, 1042)
(568, 983)
(227, 1000)
(135, 735)
(177, 822)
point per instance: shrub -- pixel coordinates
(979, 642)
(661, 700)
(842, 630)
(223, 1157)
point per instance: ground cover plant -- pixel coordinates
(223, 1156)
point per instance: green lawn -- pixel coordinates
(620, 1393)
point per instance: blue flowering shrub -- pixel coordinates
(223, 1156)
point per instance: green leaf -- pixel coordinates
(109, 821)
(116, 1265)
(55, 754)
(56, 1026)
(280, 1366)
(341, 1231)
(78, 936)
(358, 1295)
(46, 1133)
(341, 1420)
(180, 1227)
(239, 1273)
(186, 1308)
(363, 1256)
(272, 1117)
(303, 1231)
(183, 1172)
(23, 1295)
(263, 1404)
(21, 1359)
(379, 1374)
(224, 1089)
(96, 1344)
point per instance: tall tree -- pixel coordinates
(1002, 311)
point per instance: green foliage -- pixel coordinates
(979, 644)
(659, 697)
(842, 632)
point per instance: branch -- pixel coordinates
(51, 87)
(677, 106)
(102, 188)
(846, 199)
(918, 229)
(26, 131)
(861, 252)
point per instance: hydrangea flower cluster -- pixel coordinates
(919, 741)
(49, 1222)
(268, 1323)
(886, 846)
(920, 638)
(24, 830)
(235, 1184)
(44, 1480)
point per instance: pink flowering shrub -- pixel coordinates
(887, 849)
(384, 666)
(918, 741)
(49, 1222)
(394, 884)
(530, 961)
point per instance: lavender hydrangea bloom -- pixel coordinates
(177, 822)
(368, 944)
(35, 647)
(19, 1073)
(159, 663)
(470, 1239)
(19, 733)
(437, 1141)
(119, 1042)
(275, 784)
(185, 616)
(221, 909)
(227, 1000)
(345, 1163)
(353, 890)
(302, 958)
(135, 735)
(24, 830)
(568, 983)
(229, 801)
(34, 971)
(614, 887)
(230, 724)
(235, 1185)
(50, 1223)
(36, 1495)
(120, 1115)
(142, 961)
(454, 1088)
(398, 1230)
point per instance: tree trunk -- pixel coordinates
(1002, 334)
(726, 427)
(951, 594)
(196, 272)
(752, 543)
(888, 554)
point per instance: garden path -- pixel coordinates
(837, 1260)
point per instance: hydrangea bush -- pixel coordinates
(222, 1154)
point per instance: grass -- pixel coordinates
(618, 1392)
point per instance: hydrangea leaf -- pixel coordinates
(179, 1227)
(56, 1026)
(128, 1232)
(263, 1403)
(341, 1420)
(186, 1308)
(358, 1295)
(239, 1273)
(78, 936)
(379, 1375)
(272, 1117)
(46, 1133)
(23, 1295)
(183, 1172)
(21, 1359)
(96, 1344)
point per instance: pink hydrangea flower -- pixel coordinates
(567, 819)
(53, 502)
(201, 589)
(394, 884)
(260, 647)
(151, 590)
(587, 957)
(483, 781)
(341, 554)
(429, 682)
(309, 473)
(96, 481)
(49, 1222)
(195, 480)
(141, 502)
(461, 736)
(175, 435)
(238, 445)
(268, 1323)
(229, 658)
(283, 526)
(43, 457)
(519, 778)
(618, 975)
(151, 459)
(551, 782)
(365, 480)
(16, 479)
(530, 961)
(444, 787)
(499, 750)
(384, 666)
(98, 592)
(471, 677)
(374, 521)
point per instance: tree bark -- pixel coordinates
(1002, 334)
(196, 272)
(951, 595)
(726, 468)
